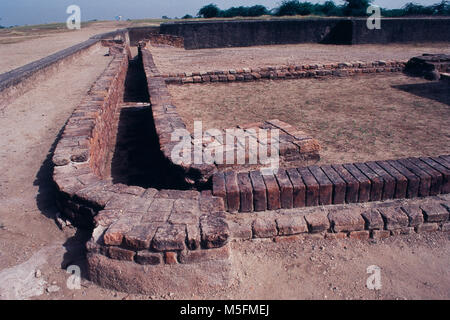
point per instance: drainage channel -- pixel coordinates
(136, 158)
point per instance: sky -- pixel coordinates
(22, 12)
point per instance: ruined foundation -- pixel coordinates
(175, 226)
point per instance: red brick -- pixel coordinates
(312, 187)
(436, 176)
(364, 182)
(317, 221)
(148, 258)
(273, 192)
(259, 191)
(211, 204)
(402, 231)
(286, 189)
(140, 236)
(336, 236)
(288, 239)
(373, 219)
(380, 234)
(232, 188)
(193, 236)
(245, 192)
(401, 182)
(443, 170)
(425, 178)
(413, 180)
(169, 237)
(214, 230)
(339, 185)
(352, 189)
(219, 189)
(360, 235)
(394, 218)
(325, 185)
(346, 220)
(434, 212)
(299, 188)
(289, 225)
(120, 254)
(389, 181)
(414, 213)
(376, 190)
(264, 228)
(427, 227)
(240, 230)
(198, 256)
(170, 257)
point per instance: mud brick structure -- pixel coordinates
(337, 184)
(181, 236)
(343, 69)
(429, 66)
(222, 34)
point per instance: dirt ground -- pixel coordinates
(362, 118)
(19, 47)
(175, 60)
(34, 252)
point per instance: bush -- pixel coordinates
(209, 11)
(329, 8)
(257, 10)
(187, 16)
(356, 8)
(295, 7)
(442, 9)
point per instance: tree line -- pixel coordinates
(354, 8)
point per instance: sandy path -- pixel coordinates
(169, 59)
(28, 128)
(15, 55)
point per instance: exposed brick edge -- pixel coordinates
(167, 120)
(295, 145)
(283, 72)
(377, 221)
(135, 221)
(18, 81)
(336, 184)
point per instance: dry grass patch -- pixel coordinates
(356, 119)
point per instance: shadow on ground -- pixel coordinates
(435, 90)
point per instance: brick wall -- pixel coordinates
(333, 184)
(285, 72)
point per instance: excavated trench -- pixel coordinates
(136, 157)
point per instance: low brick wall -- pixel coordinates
(18, 81)
(333, 184)
(240, 33)
(81, 154)
(155, 39)
(145, 226)
(376, 220)
(343, 69)
(167, 120)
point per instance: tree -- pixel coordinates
(356, 8)
(187, 16)
(209, 11)
(442, 8)
(294, 7)
(257, 10)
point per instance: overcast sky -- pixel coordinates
(21, 12)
